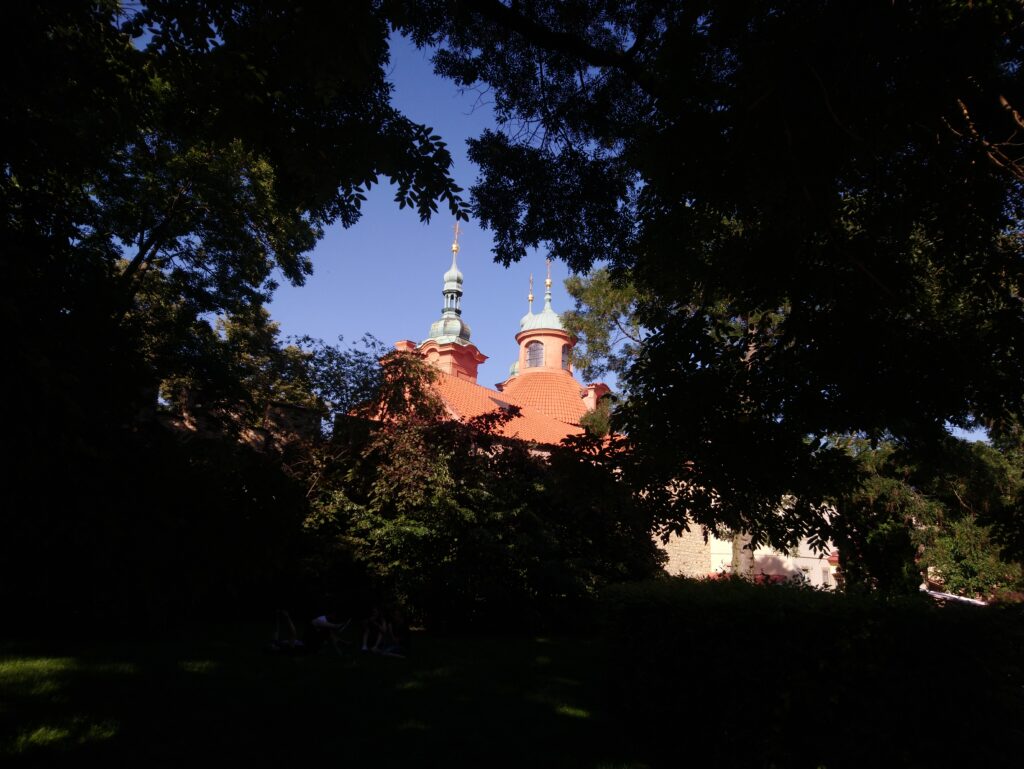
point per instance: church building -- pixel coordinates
(540, 382)
(552, 403)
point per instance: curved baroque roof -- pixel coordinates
(466, 400)
(555, 393)
(545, 319)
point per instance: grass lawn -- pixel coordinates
(215, 693)
(702, 675)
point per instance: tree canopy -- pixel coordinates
(818, 203)
(810, 212)
(604, 322)
(930, 516)
(167, 163)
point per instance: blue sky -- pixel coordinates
(384, 275)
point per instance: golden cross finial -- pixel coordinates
(455, 243)
(530, 296)
(547, 283)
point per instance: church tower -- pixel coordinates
(448, 346)
(542, 376)
(544, 344)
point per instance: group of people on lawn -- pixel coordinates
(384, 632)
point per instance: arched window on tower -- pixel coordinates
(534, 354)
(565, 356)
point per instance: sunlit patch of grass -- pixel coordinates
(46, 687)
(46, 676)
(48, 680)
(42, 737)
(445, 671)
(22, 671)
(101, 701)
(562, 681)
(42, 677)
(569, 710)
(78, 732)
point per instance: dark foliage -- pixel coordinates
(774, 676)
(148, 530)
(818, 203)
(470, 529)
(932, 516)
(163, 163)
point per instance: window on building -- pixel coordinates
(534, 354)
(565, 356)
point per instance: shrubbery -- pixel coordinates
(145, 528)
(791, 677)
(468, 528)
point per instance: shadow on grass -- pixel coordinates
(217, 694)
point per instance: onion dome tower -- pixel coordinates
(451, 328)
(448, 346)
(542, 377)
(544, 344)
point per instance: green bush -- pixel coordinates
(787, 676)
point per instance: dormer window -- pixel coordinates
(534, 354)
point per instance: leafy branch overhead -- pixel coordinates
(167, 163)
(219, 139)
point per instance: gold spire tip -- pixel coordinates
(455, 243)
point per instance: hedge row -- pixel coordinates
(792, 677)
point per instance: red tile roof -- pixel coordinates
(554, 393)
(466, 400)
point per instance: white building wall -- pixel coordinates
(690, 556)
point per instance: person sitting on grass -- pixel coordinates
(326, 628)
(373, 626)
(382, 629)
(286, 639)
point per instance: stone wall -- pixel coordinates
(688, 554)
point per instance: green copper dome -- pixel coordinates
(450, 327)
(546, 318)
(453, 278)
